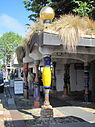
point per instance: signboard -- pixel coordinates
(18, 87)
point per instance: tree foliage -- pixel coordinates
(81, 7)
(60, 7)
(8, 44)
(85, 8)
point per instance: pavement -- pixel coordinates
(15, 111)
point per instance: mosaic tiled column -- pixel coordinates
(46, 14)
(86, 82)
(46, 77)
(54, 76)
(36, 85)
(25, 85)
(66, 79)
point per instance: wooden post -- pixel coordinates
(26, 94)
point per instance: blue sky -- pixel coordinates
(13, 17)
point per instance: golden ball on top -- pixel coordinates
(47, 13)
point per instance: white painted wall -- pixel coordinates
(59, 76)
(76, 79)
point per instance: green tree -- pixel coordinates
(60, 7)
(81, 7)
(84, 8)
(8, 44)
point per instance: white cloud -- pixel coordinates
(8, 23)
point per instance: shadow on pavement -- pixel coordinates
(54, 122)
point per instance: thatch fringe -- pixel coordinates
(20, 52)
(69, 28)
(69, 36)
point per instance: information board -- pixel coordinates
(18, 87)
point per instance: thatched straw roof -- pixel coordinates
(20, 52)
(69, 28)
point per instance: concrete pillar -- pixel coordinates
(26, 94)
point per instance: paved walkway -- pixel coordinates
(15, 111)
(1, 112)
(78, 112)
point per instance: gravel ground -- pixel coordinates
(32, 116)
(22, 103)
(57, 120)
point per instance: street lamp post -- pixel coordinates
(46, 14)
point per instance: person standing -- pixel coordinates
(30, 81)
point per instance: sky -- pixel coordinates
(13, 17)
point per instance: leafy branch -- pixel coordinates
(83, 8)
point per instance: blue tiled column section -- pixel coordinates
(54, 76)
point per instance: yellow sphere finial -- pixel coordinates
(47, 13)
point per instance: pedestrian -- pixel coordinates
(8, 78)
(30, 81)
(12, 75)
(1, 83)
(41, 84)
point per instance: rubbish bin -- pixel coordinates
(2, 88)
